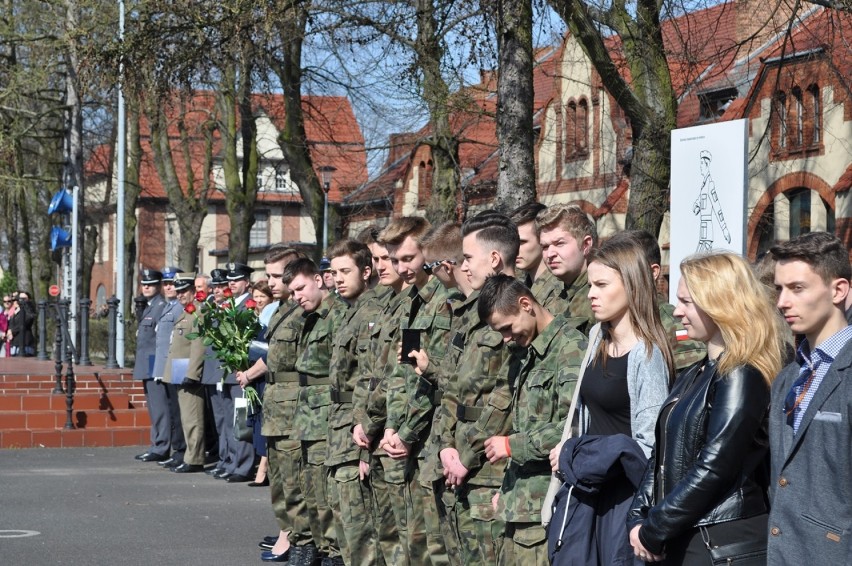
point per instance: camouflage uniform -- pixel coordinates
(279, 408)
(543, 388)
(350, 498)
(547, 290)
(686, 351)
(576, 295)
(477, 406)
(387, 476)
(429, 312)
(311, 420)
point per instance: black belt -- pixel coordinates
(282, 377)
(306, 380)
(341, 396)
(468, 414)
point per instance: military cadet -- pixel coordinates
(327, 277)
(567, 234)
(321, 312)
(212, 380)
(279, 405)
(239, 462)
(146, 349)
(184, 367)
(349, 496)
(477, 402)
(546, 288)
(165, 323)
(386, 475)
(686, 351)
(543, 387)
(426, 311)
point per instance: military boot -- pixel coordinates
(336, 561)
(308, 556)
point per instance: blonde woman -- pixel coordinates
(625, 379)
(704, 492)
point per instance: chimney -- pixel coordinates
(399, 145)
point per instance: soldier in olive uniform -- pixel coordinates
(279, 407)
(146, 349)
(386, 475)
(546, 288)
(169, 314)
(477, 402)
(543, 387)
(567, 234)
(184, 367)
(349, 495)
(322, 312)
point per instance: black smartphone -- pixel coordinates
(410, 341)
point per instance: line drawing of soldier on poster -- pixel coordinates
(707, 206)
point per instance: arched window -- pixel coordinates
(816, 112)
(799, 117)
(781, 119)
(582, 131)
(570, 130)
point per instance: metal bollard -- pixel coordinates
(111, 362)
(69, 353)
(85, 305)
(42, 330)
(58, 353)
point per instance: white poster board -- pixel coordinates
(708, 192)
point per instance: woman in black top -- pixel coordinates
(705, 485)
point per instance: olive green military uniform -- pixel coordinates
(190, 390)
(311, 419)
(279, 407)
(350, 498)
(476, 407)
(429, 312)
(547, 290)
(576, 296)
(543, 388)
(387, 476)
(686, 351)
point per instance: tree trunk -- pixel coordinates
(515, 98)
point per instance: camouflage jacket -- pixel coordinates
(282, 381)
(477, 404)
(547, 290)
(313, 358)
(542, 390)
(576, 295)
(382, 361)
(349, 345)
(686, 352)
(429, 312)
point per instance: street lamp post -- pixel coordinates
(326, 173)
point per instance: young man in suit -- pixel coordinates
(809, 420)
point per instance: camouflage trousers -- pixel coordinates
(387, 487)
(434, 514)
(476, 529)
(314, 485)
(415, 520)
(524, 543)
(288, 503)
(352, 504)
(443, 500)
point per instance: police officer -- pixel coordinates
(212, 379)
(146, 349)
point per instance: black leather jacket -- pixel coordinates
(710, 463)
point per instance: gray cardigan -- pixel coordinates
(647, 385)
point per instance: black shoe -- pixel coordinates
(308, 555)
(170, 462)
(222, 475)
(263, 483)
(213, 471)
(267, 556)
(236, 478)
(271, 539)
(152, 457)
(173, 465)
(188, 468)
(263, 545)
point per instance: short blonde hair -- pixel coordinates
(443, 242)
(570, 217)
(725, 287)
(402, 227)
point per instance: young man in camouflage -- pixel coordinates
(279, 405)
(477, 402)
(546, 288)
(386, 475)
(567, 234)
(427, 311)
(543, 386)
(321, 312)
(349, 496)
